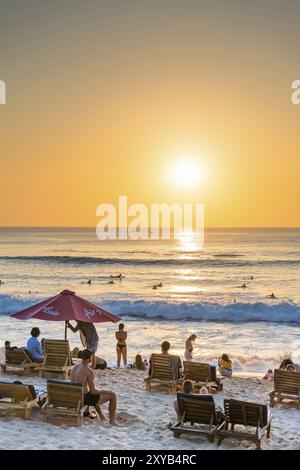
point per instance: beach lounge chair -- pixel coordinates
(17, 399)
(246, 414)
(198, 416)
(64, 404)
(164, 372)
(201, 375)
(57, 358)
(286, 386)
(18, 359)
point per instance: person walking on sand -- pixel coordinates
(88, 336)
(121, 336)
(83, 374)
(189, 347)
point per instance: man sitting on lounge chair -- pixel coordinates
(85, 375)
(165, 347)
(9, 347)
(204, 394)
(187, 388)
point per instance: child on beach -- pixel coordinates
(269, 376)
(139, 364)
(225, 365)
(121, 336)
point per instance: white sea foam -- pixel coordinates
(287, 312)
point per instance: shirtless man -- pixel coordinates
(82, 373)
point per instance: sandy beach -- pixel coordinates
(143, 419)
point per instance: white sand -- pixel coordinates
(143, 419)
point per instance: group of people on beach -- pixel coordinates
(83, 372)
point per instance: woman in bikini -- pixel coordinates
(121, 336)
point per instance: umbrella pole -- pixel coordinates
(66, 329)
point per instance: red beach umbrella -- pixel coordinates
(66, 306)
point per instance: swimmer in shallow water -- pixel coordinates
(89, 281)
(243, 286)
(111, 282)
(119, 276)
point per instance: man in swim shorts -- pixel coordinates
(82, 373)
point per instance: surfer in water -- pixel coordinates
(272, 296)
(156, 286)
(119, 276)
(89, 281)
(243, 286)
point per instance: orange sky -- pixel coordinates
(103, 97)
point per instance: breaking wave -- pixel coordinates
(184, 260)
(283, 312)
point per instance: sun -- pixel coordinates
(185, 173)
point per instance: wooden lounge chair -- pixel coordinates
(286, 386)
(17, 399)
(164, 372)
(200, 412)
(248, 415)
(57, 358)
(201, 375)
(18, 359)
(64, 404)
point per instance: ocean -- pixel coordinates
(200, 290)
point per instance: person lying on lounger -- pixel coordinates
(82, 373)
(8, 346)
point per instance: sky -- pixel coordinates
(104, 98)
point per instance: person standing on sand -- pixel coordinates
(121, 336)
(88, 336)
(83, 374)
(189, 347)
